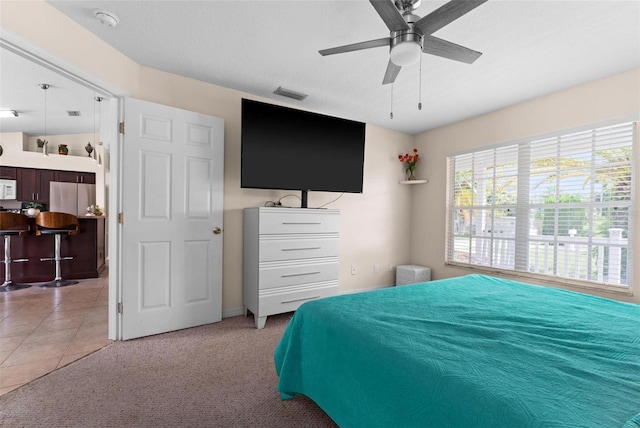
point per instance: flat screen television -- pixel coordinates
(290, 149)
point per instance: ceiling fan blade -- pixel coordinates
(390, 14)
(435, 46)
(391, 73)
(386, 41)
(446, 14)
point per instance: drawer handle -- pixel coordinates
(305, 248)
(300, 222)
(299, 274)
(298, 300)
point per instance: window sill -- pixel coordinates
(546, 280)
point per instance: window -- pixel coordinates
(559, 206)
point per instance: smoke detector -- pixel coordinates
(106, 18)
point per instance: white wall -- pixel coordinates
(21, 150)
(388, 223)
(596, 102)
(374, 225)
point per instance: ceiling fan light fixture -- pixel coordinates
(8, 113)
(406, 53)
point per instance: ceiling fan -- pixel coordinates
(411, 35)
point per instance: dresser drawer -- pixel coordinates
(276, 302)
(298, 273)
(299, 248)
(298, 222)
(291, 255)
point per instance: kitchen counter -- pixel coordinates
(86, 217)
(87, 249)
(92, 217)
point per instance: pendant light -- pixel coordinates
(93, 151)
(44, 87)
(97, 142)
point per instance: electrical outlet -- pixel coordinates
(376, 269)
(353, 270)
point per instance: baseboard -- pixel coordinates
(240, 311)
(232, 313)
(366, 289)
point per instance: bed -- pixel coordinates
(473, 351)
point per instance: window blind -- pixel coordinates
(558, 206)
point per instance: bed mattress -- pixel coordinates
(473, 351)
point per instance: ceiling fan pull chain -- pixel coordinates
(391, 114)
(420, 86)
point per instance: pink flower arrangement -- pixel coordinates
(410, 160)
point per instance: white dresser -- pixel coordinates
(290, 257)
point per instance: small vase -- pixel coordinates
(62, 149)
(410, 177)
(89, 148)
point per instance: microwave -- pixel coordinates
(8, 189)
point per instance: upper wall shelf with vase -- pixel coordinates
(413, 181)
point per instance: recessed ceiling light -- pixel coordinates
(107, 18)
(8, 113)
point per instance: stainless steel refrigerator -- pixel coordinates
(72, 198)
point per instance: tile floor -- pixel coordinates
(42, 329)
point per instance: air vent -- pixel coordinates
(290, 94)
(73, 113)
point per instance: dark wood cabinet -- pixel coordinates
(44, 177)
(8, 173)
(87, 249)
(76, 177)
(33, 184)
(26, 184)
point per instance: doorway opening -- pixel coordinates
(42, 329)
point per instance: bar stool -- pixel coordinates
(12, 224)
(57, 224)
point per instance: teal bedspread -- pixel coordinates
(474, 351)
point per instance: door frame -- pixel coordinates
(29, 51)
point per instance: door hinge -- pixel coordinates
(121, 127)
(120, 218)
(120, 307)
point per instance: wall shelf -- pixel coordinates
(413, 181)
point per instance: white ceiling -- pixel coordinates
(530, 48)
(19, 90)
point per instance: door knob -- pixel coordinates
(217, 230)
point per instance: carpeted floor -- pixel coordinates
(219, 375)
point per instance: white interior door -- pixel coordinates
(171, 246)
